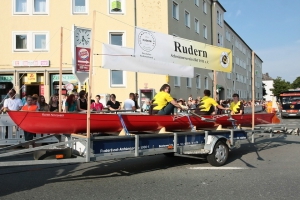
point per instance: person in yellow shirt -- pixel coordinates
(207, 105)
(236, 107)
(165, 103)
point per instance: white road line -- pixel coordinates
(218, 168)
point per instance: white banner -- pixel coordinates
(122, 58)
(167, 48)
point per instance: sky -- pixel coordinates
(272, 29)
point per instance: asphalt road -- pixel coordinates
(268, 169)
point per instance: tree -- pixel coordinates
(280, 85)
(296, 83)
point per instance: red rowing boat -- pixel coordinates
(246, 119)
(55, 122)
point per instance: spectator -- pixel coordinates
(146, 106)
(112, 104)
(81, 102)
(43, 105)
(53, 103)
(97, 105)
(136, 99)
(29, 107)
(71, 104)
(129, 104)
(12, 103)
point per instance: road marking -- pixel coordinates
(218, 168)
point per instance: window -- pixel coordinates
(177, 81)
(80, 6)
(175, 10)
(205, 31)
(206, 82)
(228, 76)
(40, 6)
(40, 43)
(117, 77)
(21, 7)
(187, 19)
(204, 7)
(117, 6)
(198, 81)
(21, 41)
(30, 7)
(196, 2)
(30, 41)
(197, 26)
(218, 17)
(188, 82)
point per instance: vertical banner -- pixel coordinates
(81, 48)
(82, 59)
(42, 90)
(171, 49)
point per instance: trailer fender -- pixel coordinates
(212, 141)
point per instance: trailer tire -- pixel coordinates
(219, 155)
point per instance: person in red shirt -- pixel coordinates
(97, 105)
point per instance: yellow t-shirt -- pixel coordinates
(161, 99)
(236, 107)
(206, 102)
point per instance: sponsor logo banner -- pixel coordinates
(167, 48)
(82, 59)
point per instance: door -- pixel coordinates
(32, 89)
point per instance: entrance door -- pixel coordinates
(32, 89)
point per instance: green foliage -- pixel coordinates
(296, 83)
(280, 85)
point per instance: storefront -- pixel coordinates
(69, 84)
(32, 83)
(6, 83)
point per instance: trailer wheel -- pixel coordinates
(219, 155)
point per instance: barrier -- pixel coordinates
(11, 134)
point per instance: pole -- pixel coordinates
(60, 70)
(253, 89)
(135, 24)
(88, 113)
(215, 85)
(214, 41)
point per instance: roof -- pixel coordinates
(266, 77)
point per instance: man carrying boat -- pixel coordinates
(236, 107)
(207, 105)
(164, 102)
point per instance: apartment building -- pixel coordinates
(31, 40)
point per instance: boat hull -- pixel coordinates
(246, 119)
(54, 122)
(57, 123)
